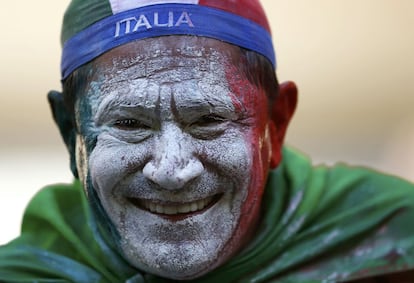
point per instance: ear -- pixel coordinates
(282, 111)
(65, 122)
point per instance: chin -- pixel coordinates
(180, 263)
(184, 250)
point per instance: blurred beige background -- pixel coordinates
(352, 60)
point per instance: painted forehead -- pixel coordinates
(164, 60)
(140, 71)
(146, 58)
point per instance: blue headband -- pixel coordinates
(161, 20)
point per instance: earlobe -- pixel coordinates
(64, 121)
(282, 111)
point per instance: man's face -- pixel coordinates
(180, 151)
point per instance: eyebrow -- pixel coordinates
(116, 109)
(200, 107)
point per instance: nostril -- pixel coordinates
(192, 169)
(149, 171)
(172, 177)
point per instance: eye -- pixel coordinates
(130, 124)
(209, 120)
(208, 127)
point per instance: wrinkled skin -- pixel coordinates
(177, 144)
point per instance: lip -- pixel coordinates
(173, 210)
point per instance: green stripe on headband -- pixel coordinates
(82, 13)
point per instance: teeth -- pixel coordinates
(176, 208)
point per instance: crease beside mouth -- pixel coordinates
(175, 208)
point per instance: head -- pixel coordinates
(173, 137)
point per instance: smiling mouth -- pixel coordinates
(176, 209)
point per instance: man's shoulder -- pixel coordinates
(59, 240)
(353, 221)
(55, 201)
(300, 171)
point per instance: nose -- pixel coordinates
(173, 163)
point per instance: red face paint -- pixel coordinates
(253, 101)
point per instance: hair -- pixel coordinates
(257, 69)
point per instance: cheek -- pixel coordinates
(250, 210)
(111, 161)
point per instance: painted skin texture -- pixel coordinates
(182, 151)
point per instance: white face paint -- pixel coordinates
(173, 159)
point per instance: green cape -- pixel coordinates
(319, 224)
